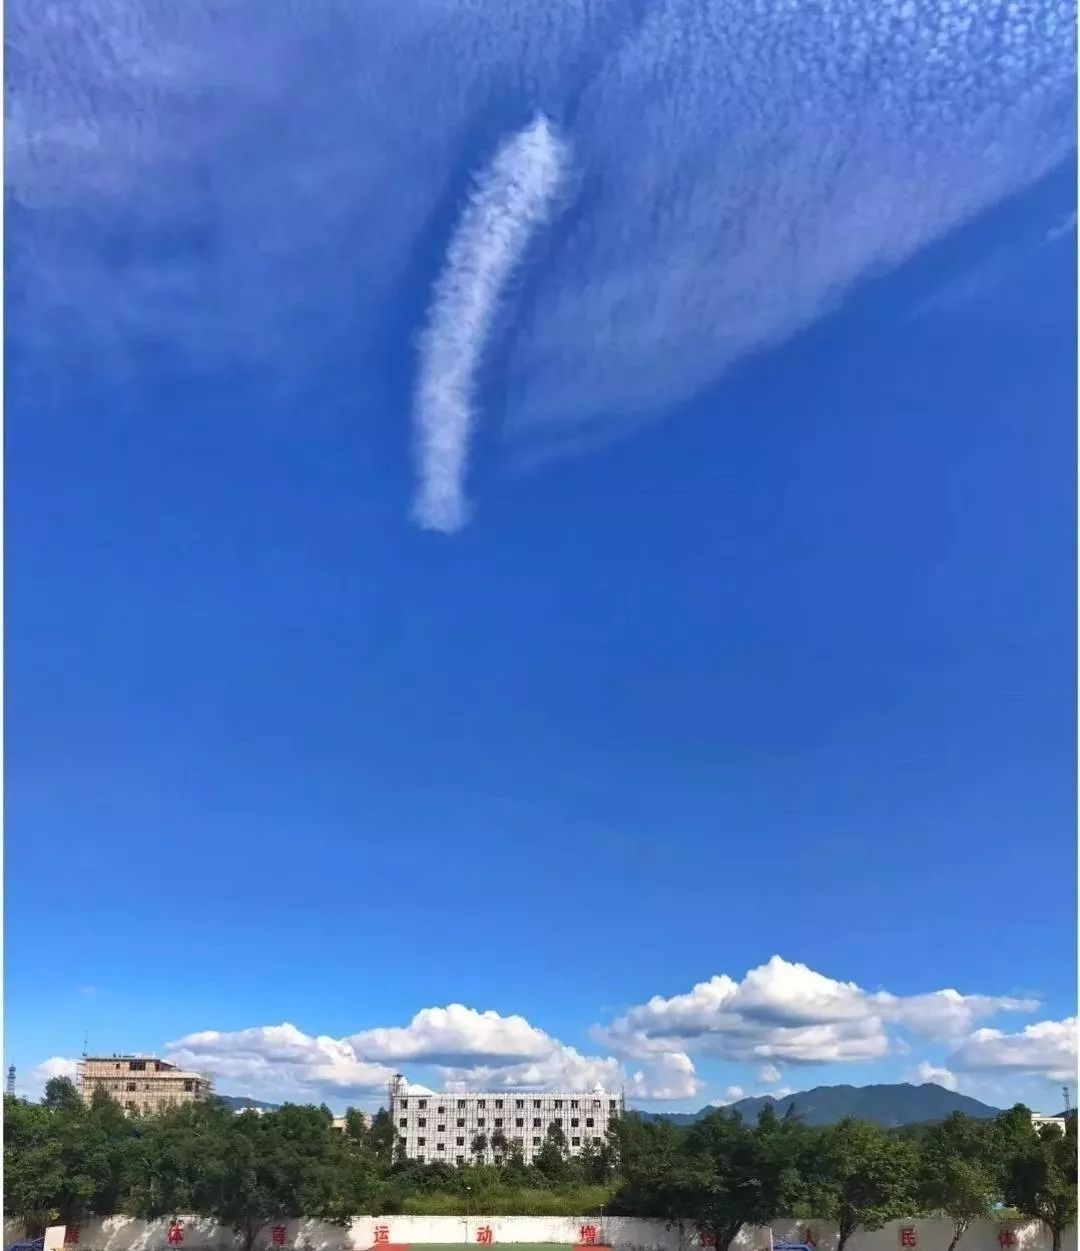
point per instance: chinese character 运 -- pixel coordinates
(382, 1233)
(484, 1234)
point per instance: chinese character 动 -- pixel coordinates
(588, 1235)
(277, 1235)
(382, 1233)
(71, 1236)
(707, 1238)
(1006, 1237)
(908, 1237)
(176, 1233)
(484, 1234)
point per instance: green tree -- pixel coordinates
(499, 1145)
(550, 1160)
(479, 1147)
(61, 1096)
(861, 1177)
(959, 1172)
(1040, 1175)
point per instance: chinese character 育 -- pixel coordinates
(382, 1233)
(484, 1234)
(588, 1235)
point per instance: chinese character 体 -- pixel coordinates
(908, 1237)
(484, 1234)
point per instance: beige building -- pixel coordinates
(140, 1084)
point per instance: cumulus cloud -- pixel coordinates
(927, 1072)
(466, 1048)
(769, 1074)
(1045, 1049)
(512, 197)
(784, 1011)
(55, 1066)
(732, 1095)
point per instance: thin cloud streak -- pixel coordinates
(512, 198)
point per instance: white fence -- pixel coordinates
(197, 1233)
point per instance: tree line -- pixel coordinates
(65, 1161)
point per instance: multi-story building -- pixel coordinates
(140, 1084)
(447, 1127)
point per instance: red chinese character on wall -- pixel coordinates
(484, 1234)
(1006, 1237)
(71, 1236)
(908, 1237)
(707, 1238)
(808, 1238)
(382, 1233)
(277, 1235)
(176, 1233)
(588, 1235)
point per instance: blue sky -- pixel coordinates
(540, 545)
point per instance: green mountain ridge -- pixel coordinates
(887, 1105)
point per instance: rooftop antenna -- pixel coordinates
(1068, 1104)
(11, 1079)
(85, 1043)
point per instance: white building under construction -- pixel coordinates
(452, 1127)
(140, 1084)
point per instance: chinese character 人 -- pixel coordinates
(484, 1234)
(176, 1234)
(277, 1235)
(382, 1233)
(588, 1235)
(907, 1236)
(71, 1236)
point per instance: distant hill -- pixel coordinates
(886, 1105)
(237, 1103)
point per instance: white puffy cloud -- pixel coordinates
(1045, 1049)
(769, 1074)
(927, 1072)
(55, 1066)
(454, 1035)
(784, 1011)
(280, 1060)
(732, 1095)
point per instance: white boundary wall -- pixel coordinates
(122, 1233)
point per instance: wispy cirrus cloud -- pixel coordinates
(512, 197)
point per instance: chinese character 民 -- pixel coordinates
(382, 1233)
(71, 1236)
(484, 1234)
(277, 1235)
(588, 1235)
(1006, 1237)
(176, 1233)
(907, 1236)
(707, 1238)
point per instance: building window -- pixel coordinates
(589, 1122)
(481, 1103)
(137, 1066)
(461, 1103)
(422, 1103)
(459, 1142)
(130, 1105)
(421, 1142)
(573, 1122)
(558, 1103)
(404, 1103)
(442, 1111)
(519, 1123)
(558, 1121)
(498, 1103)
(596, 1103)
(461, 1122)
(575, 1142)
(459, 1159)
(536, 1142)
(536, 1122)
(536, 1103)
(519, 1103)
(403, 1121)
(422, 1122)
(189, 1085)
(573, 1103)
(612, 1104)
(441, 1129)
(131, 1086)
(498, 1122)
(479, 1120)
(440, 1147)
